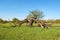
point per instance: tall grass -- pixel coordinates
(29, 33)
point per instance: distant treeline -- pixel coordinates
(52, 21)
(17, 20)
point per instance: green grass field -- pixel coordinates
(29, 33)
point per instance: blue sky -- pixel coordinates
(20, 8)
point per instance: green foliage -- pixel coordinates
(1, 20)
(35, 14)
(15, 21)
(5, 21)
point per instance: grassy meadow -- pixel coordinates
(29, 33)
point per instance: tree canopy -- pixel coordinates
(36, 14)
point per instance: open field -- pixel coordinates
(29, 33)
